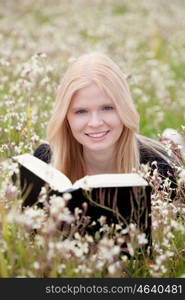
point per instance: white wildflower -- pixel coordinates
(67, 196)
(181, 179)
(36, 265)
(160, 259)
(124, 258)
(142, 239)
(112, 268)
(107, 250)
(66, 216)
(61, 268)
(125, 230)
(83, 269)
(102, 220)
(89, 238)
(130, 249)
(77, 236)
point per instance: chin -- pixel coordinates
(98, 148)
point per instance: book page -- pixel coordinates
(111, 180)
(46, 172)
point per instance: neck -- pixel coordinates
(99, 163)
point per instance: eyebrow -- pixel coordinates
(85, 107)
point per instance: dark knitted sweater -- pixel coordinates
(44, 153)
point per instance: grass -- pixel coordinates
(38, 39)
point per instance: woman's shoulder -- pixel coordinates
(165, 164)
(151, 150)
(43, 152)
(150, 153)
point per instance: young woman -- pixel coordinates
(94, 126)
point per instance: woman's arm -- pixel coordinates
(165, 169)
(31, 184)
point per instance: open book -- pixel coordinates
(118, 197)
(59, 182)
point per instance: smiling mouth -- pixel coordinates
(98, 134)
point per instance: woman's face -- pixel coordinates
(94, 120)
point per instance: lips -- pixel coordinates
(97, 134)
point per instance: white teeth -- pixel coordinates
(97, 134)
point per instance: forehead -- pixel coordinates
(90, 95)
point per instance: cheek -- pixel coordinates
(76, 124)
(114, 121)
(117, 126)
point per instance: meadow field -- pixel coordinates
(146, 38)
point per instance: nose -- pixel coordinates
(95, 120)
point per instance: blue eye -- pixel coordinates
(80, 111)
(107, 107)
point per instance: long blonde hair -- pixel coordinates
(67, 152)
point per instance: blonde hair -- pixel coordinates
(67, 152)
